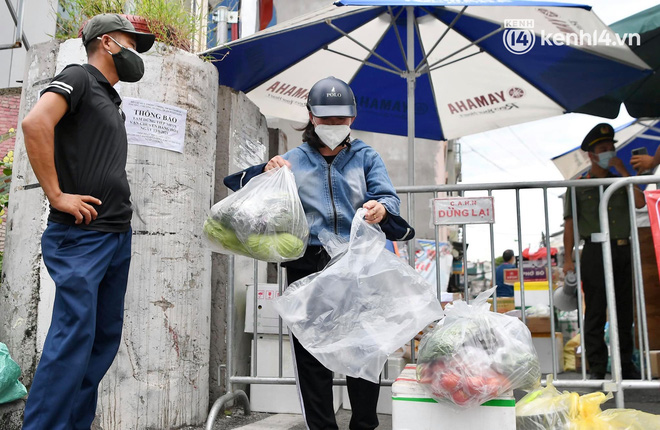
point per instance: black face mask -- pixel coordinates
(129, 65)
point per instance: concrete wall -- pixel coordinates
(161, 374)
(164, 360)
(242, 142)
(21, 283)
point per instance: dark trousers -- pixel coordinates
(315, 387)
(90, 271)
(593, 284)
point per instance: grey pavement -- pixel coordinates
(266, 421)
(643, 400)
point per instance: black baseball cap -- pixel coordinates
(109, 22)
(603, 132)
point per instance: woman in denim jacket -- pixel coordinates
(336, 175)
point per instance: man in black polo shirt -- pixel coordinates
(599, 144)
(76, 142)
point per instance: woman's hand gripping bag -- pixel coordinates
(363, 306)
(475, 355)
(263, 220)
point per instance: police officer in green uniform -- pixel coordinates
(599, 145)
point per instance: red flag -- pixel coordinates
(653, 205)
(265, 13)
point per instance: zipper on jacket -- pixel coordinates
(332, 199)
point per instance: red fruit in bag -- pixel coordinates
(492, 386)
(426, 374)
(460, 397)
(449, 381)
(438, 365)
(474, 385)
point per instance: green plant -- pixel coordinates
(172, 21)
(73, 13)
(11, 133)
(6, 164)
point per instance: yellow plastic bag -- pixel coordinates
(549, 409)
(585, 415)
(628, 419)
(589, 416)
(569, 353)
(546, 408)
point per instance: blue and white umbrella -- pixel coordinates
(432, 69)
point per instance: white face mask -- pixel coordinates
(604, 158)
(332, 135)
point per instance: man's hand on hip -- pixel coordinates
(77, 205)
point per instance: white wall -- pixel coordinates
(38, 26)
(287, 9)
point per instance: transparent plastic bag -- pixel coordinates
(263, 220)
(546, 409)
(362, 307)
(475, 355)
(10, 387)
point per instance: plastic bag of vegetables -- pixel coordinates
(475, 355)
(264, 220)
(362, 307)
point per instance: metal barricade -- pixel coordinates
(607, 188)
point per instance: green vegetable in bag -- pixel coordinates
(224, 236)
(264, 247)
(451, 340)
(474, 355)
(264, 219)
(10, 387)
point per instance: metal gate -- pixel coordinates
(606, 187)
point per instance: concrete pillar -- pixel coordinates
(26, 217)
(243, 141)
(160, 376)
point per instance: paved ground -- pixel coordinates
(643, 400)
(264, 421)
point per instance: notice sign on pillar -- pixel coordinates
(154, 124)
(463, 210)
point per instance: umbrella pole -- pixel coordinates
(410, 78)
